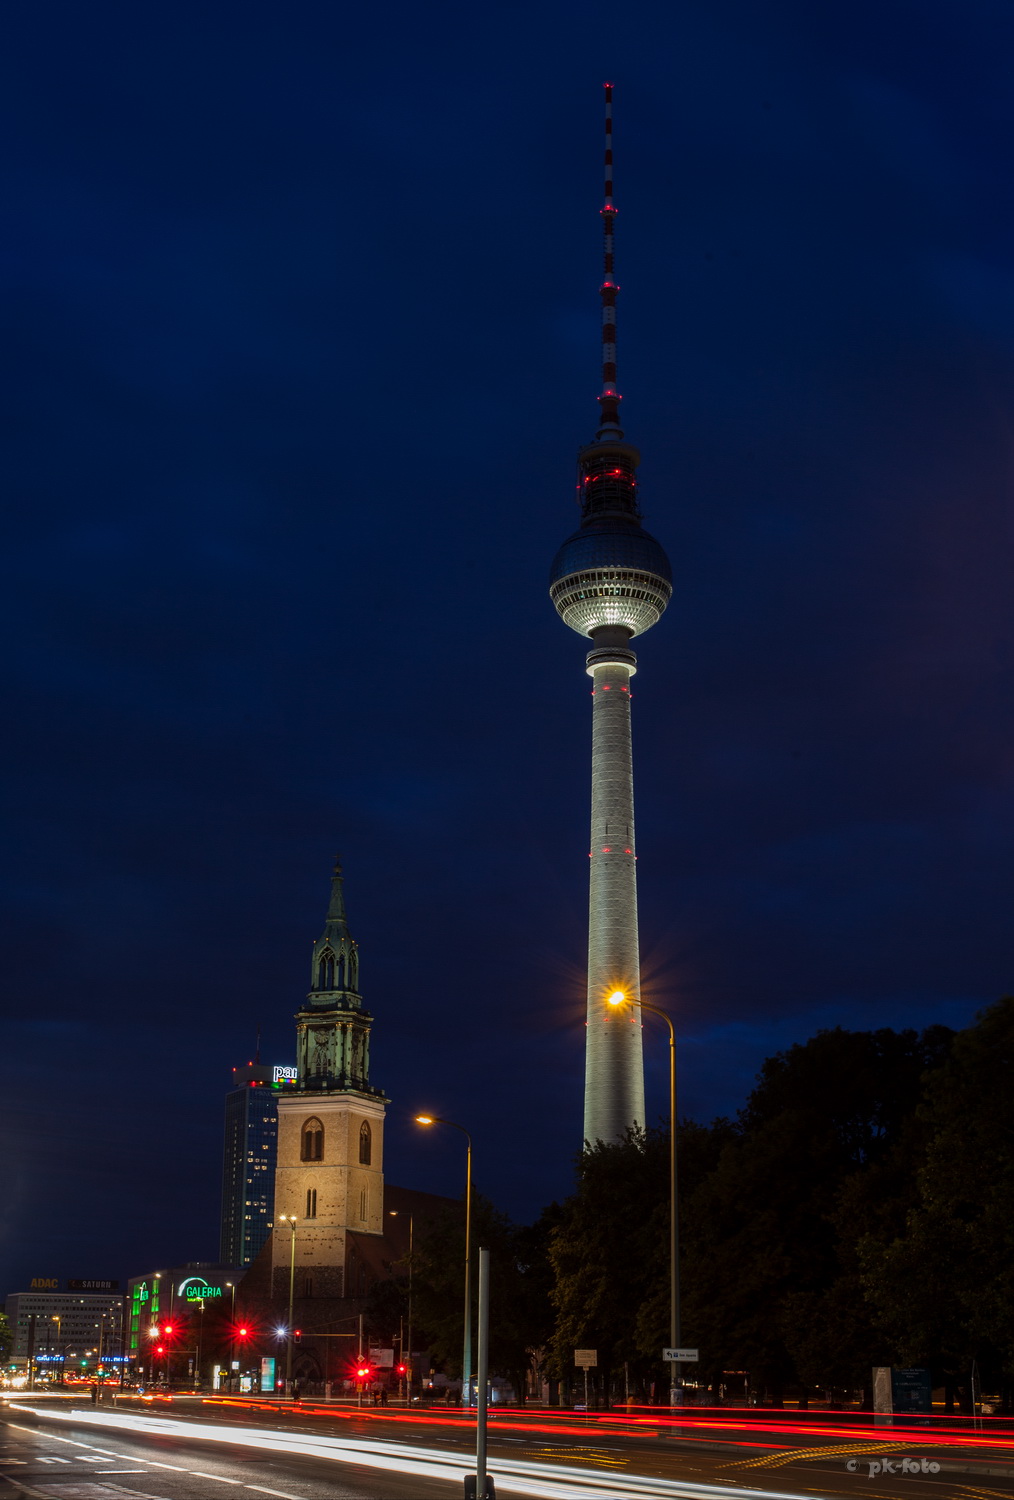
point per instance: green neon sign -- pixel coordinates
(196, 1289)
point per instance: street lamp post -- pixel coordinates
(466, 1357)
(290, 1219)
(200, 1341)
(232, 1334)
(675, 1384)
(408, 1364)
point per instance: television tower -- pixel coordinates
(611, 581)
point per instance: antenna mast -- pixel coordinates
(609, 401)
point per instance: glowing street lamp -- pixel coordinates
(466, 1357)
(290, 1219)
(675, 1386)
(232, 1340)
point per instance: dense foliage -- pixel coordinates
(860, 1211)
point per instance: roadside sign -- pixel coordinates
(586, 1359)
(681, 1356)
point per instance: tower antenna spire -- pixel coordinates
(609, 401)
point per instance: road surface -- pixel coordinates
(195, 1450)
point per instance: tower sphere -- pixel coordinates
(611, 572)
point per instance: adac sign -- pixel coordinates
(45, 1283)
(196, 1289)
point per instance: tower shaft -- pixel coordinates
(614, 1071)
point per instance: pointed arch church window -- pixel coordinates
(365, 1143)
(325, 972)
(312, 1141)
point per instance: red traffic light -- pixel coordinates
(168, 1329)
(160, 1350)
(363, 1372)
(242, 1333)
(402, 1369)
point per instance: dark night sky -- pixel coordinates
(301, 329)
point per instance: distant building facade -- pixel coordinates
(61, 1327)
(159, 1296)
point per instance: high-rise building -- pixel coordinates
(248, 1163)
(329, 1183)
(611, 581)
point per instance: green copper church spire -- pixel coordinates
(333, 1027)
(334, 967)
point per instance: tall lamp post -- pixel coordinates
(232, 1334)
(393, 1212)
(290, 1219)
(675, 1384)
(466, 1357)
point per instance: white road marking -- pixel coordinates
(198, 1475)
(121, 1489)
(262, 1490)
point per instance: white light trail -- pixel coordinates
(543, 1480)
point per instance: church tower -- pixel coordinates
(329, 1179)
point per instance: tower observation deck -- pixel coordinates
(611, 581)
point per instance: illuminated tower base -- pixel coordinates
(614, 1072)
